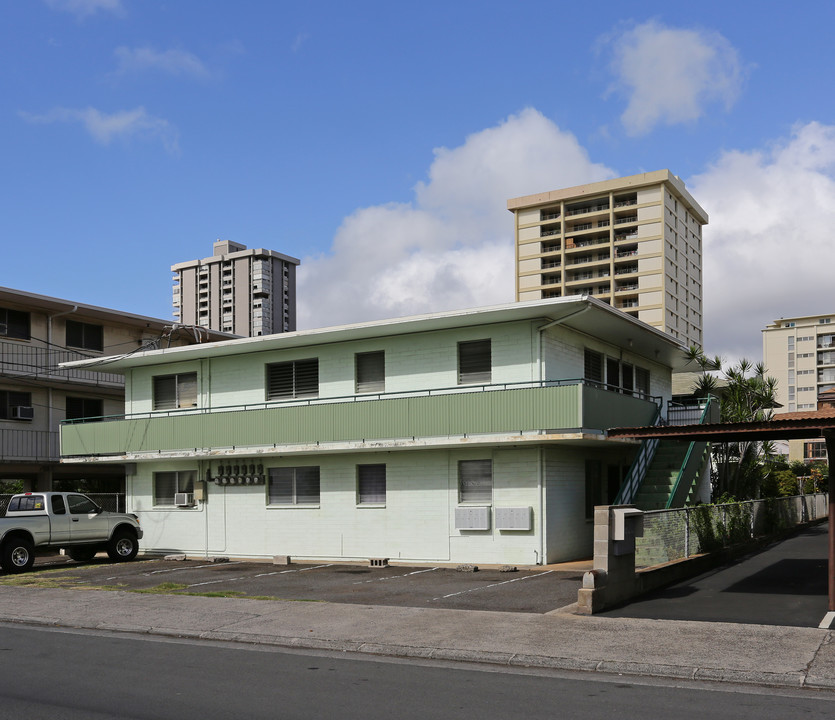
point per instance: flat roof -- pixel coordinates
(674, 183)
(581, 313)
(234, 256)
(57, 306)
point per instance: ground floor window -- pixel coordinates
(168, 484)
(294, 486)
(475, 481)
(371, 484)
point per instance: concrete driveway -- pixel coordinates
(530, 590)
(783, 584)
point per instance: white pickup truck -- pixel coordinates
(38, 520)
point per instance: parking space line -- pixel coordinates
(394, 577)
(283, 572)
(192, 567)
(485, 587)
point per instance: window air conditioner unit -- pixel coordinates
(22, 412)
(184, 499)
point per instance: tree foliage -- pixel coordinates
(747, 394)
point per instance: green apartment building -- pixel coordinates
(475, 436)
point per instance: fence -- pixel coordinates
(114, 502)
(682, 532)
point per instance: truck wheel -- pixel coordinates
(18, 555)
(122, 546)
(82, 554)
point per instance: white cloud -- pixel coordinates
(104, 128)
(452, 246)
(672, 75)
(83, 8)
(767, 251)
(173, 62)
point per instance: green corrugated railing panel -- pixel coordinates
(491, 411)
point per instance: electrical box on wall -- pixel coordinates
(199, 491)
(513, 518)
(472, 518)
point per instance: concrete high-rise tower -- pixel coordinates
(240, 291)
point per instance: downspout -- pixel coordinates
(49, 319)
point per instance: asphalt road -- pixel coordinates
(783, 584)
(54, 674)
(531, 591)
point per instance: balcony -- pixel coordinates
(41, 364)
(627, 219)
(37, 446)
(586, 210)
(437, 417)
(549, 215)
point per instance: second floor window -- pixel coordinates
(14, 324)
(85, 335)
(78, 407)
(474, 362)
(291, 380)
(371, 372)
(172, 392)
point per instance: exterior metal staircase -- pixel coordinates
(665, 473)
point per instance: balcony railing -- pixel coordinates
(630, 219)
(38, 363)
(586, 210)
(28, 445)
(512, 410)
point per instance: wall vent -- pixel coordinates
(378, 562)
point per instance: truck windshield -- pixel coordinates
(22, 503)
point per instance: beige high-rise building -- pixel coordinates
(800, 353)
(240, 291)
(634, 242)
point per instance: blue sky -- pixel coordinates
(379, 142)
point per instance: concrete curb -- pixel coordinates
(606, 667)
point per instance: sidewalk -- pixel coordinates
(759, 654)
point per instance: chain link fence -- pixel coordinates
(682, 532)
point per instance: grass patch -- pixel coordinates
(37, 580)
(162, 588)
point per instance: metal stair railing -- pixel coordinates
(638, 470)
(674, 498)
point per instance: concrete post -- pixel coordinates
(612, 579)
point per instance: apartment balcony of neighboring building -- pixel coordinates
(826, 358)
(549, 214)
(622, 286)
(625, 303)
(585, 275)
(551, 279)
(550, 262)
(35, 364)
(625, 251)
(29, 446)
(626, 269)
(625, 200)
(826, 341)
(550, 230)
(550, 247)
(826, 375)
(588, 259)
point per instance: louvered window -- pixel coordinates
(168, 484)
(175, 391)
(593, 366)
(474, 362)
(371, 484)
(289, 380)
(371, 372)
(294, 486)
(475, 481)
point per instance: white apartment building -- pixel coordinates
(800, 353)
(239, 291)
(633, 242)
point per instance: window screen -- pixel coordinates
(474, 362)
(297, 379)
(371, 484)
(371, 372)
(294, 486)
(475, 481)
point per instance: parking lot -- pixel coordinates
(529, 590)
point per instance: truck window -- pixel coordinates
(80, 505)
(24, 503)
(58, 507)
